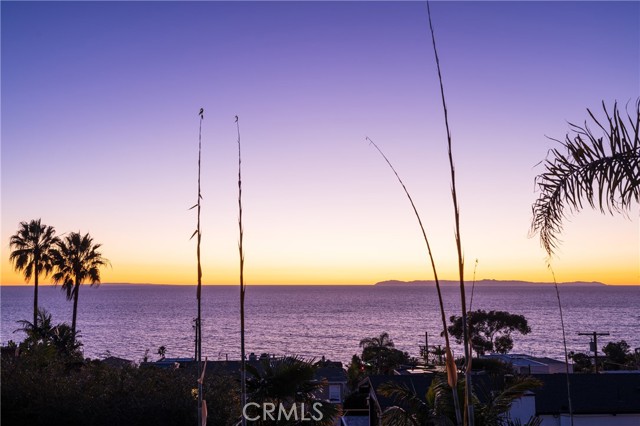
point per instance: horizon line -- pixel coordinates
(412, 283)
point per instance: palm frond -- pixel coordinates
(498, 397)
(410, 409)
(397, 416)
(290, 380)
(31, 248)
(442, 398)
(517, 389)
(602, 171)
(533, 421)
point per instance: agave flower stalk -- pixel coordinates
(456, 213)
(452, 372)
(198, 233)
(243, 370)
(564, 342)
(473, 286)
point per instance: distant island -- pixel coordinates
(486, 283)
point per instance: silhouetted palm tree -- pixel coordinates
(381, 341)
(380, 353)
(76, 260)
(38, 331)
(31, 253)
(603, 171)
(43, 333)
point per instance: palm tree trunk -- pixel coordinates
(76, 289)
(35, 296)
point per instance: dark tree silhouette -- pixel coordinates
(618, 355)
(45, 335)
(38, 331)
(162, 351)
(490, 331)
(380, 355)
(76, 260)
(31, 253)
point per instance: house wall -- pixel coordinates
(559, 369)
(523, 408)
(592, 420)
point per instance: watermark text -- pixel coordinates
(271, 411)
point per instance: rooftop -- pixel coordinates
(591, 393)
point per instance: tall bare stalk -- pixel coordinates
(564, 341)
(473, 286)
(452, 372)
(243, 371)
(468, 401)
(198, 233)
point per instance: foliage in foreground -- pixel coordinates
(492, 403)
(42, 388)
(288, 382)
(44, 337)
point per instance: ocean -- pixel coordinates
(315, 321)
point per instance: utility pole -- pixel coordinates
(426, 347)
(424, 350)
(594, 344)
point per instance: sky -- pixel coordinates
(99, 132)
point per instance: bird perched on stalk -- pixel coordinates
(201, 113)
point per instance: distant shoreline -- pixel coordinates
(488, 283)
(387, 283)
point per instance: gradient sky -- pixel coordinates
(100, 126)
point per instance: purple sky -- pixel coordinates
(99, 133)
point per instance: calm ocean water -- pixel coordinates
(124, 320)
